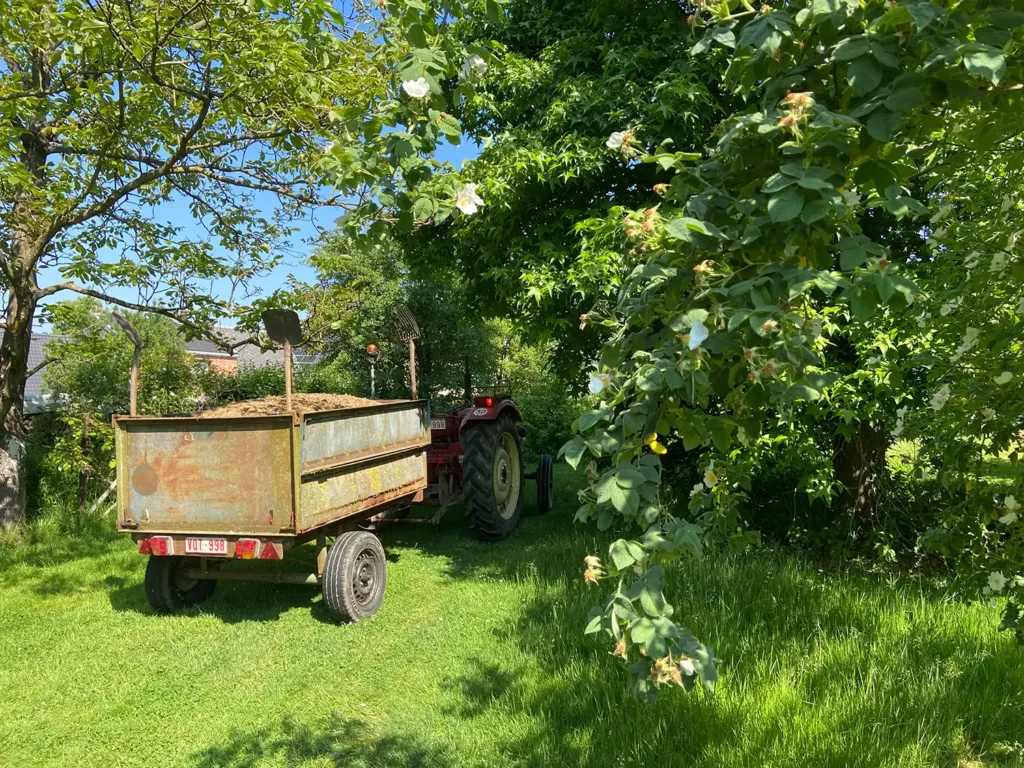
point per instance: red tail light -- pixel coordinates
(270, 551)
(483, 402)
(144, 547)
(246, 548)
(161, 546)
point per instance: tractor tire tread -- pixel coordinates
(479, 442)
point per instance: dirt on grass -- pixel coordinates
(301, 403)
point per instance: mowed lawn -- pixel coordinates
(477, 658)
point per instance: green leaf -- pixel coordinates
(777, 182)
(589, 418)
(882, 123)
(824, 7)
(626, 501)
(924, 13)
(786, 205)
(681, 228)
(905, 100)
(450, 126)
(423, 208)
(851, 48)
(984, 61)
(628, 476)
(864, 74)
(625, 553)
(573, 451)
(815, 210)
(604, 520)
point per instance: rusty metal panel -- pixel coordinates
(337, 437)
(358, 487)
(205, 475)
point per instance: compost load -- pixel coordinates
(301, 403)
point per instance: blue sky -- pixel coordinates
(177, 212)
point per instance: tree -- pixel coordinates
(753, 291)
(570, 73)
(353, 304)
(109, 109)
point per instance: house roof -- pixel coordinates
(247, 355)
(36, 398)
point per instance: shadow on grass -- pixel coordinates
(335, 740)
(820, 666)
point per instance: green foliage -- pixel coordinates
(764, 295)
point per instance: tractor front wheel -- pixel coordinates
(492, 472)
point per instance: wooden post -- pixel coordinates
(133, 403)
(412, 368)
(82, 475)
(287, 375)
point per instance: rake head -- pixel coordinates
(406, 324)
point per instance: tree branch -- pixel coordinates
(175, 314)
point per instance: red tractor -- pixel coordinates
(476, 455)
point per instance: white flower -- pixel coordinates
(616, 140)
(687, 668)
(900, 414)
(418, 88)
(1011, 505)
(710, 478)
(473, 65)
(998, 263)
(1007, 204)
(1003, 378)
(851, 197)
(988, 413)
(597, 383)
(948, 307)
(698, 333)
(698, 488)
(467, 200)
(1018, 581)
(972, 260)
(940, 398)
(996, 581)
(970, 339)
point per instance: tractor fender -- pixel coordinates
(500, 408)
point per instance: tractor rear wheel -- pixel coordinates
(492, 477)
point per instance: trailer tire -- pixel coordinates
(168, 590)
(355, 576)
(492, 477)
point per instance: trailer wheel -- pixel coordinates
(492, 477)
(545, 477)
(168, 589)
(355, 575)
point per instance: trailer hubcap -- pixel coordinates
(506, 476)
(364, 578)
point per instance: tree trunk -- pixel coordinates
(13, 373)
(859, 464)
(18, 263)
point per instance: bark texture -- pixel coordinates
(859, 464)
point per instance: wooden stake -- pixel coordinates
(412, 368)
(288, 376)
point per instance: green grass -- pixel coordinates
(477, 658)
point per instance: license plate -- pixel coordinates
(438, 423)
(206, 546)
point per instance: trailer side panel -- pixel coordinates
(200, 476)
